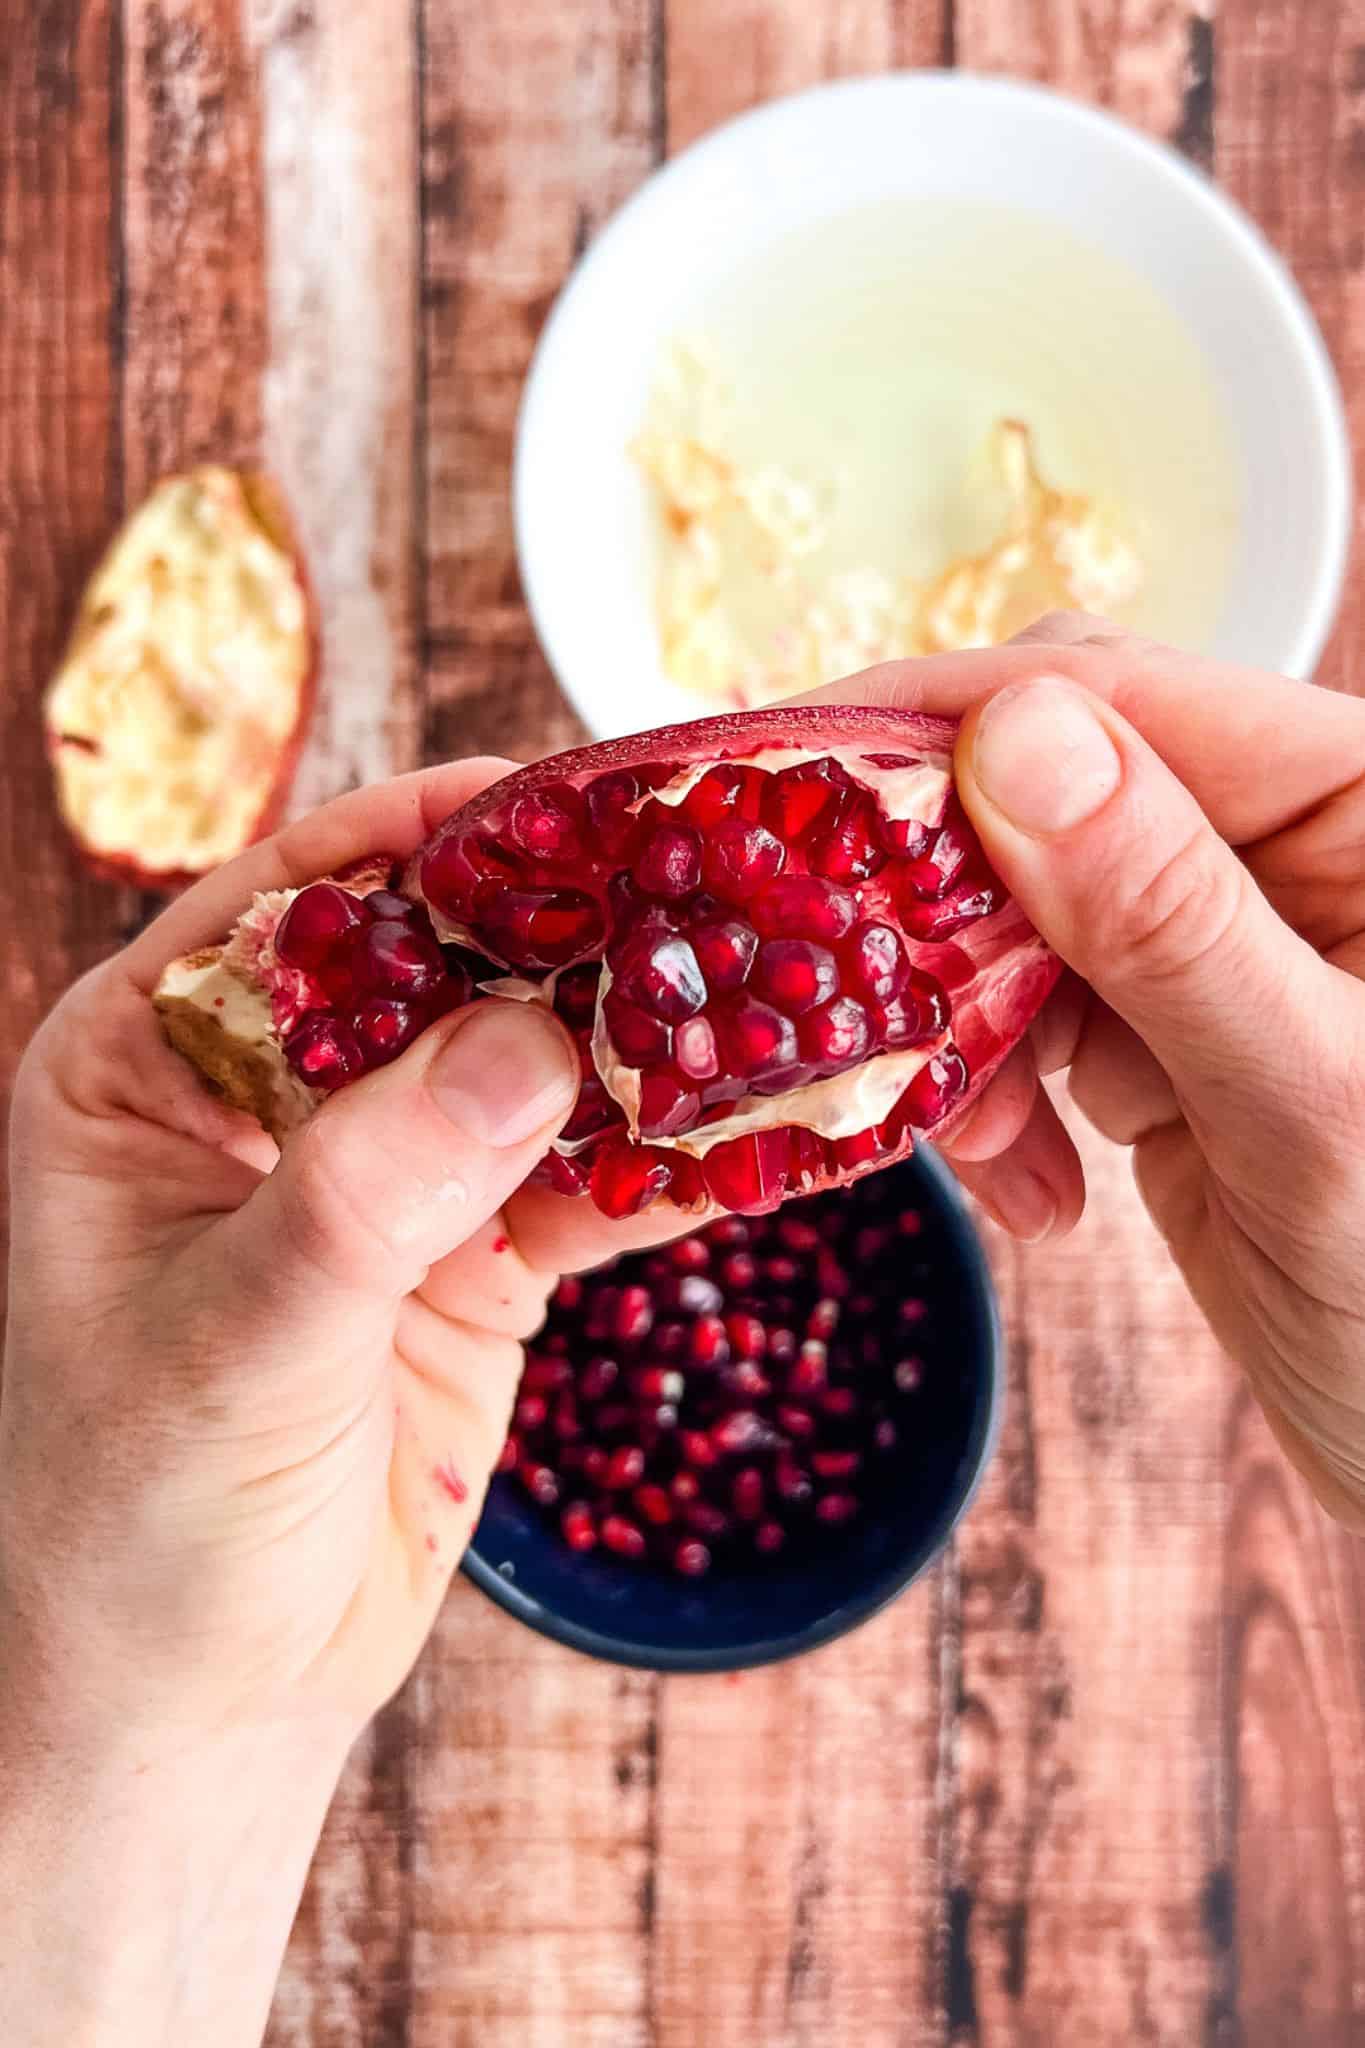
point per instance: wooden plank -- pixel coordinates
(722, 59)
(1145, 59)
(538, 122)
(60, 344)
(194, 210)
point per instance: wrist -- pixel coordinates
(150, 1882)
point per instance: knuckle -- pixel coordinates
(1184, 912)
(331, 1227)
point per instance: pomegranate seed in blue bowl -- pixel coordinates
(744, 1444)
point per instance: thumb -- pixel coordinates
(401, 1168)
(1113, 860)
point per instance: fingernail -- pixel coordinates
(1019, 1200)
(1043, 758)
(504, 1073)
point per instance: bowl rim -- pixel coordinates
(1325, 422)
(947, 1195)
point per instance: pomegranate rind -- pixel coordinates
(175, 719)
(222, 1023)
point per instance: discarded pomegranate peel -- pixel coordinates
(773, 937)
(174, 720)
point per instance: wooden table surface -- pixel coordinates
(1098, 1780)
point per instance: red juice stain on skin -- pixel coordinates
(431, 1543)
(449, 1480)
(502, 1244)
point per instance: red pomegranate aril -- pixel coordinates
(684, 1486)
(624, 1537)
(810, 1370)
(903, 838)
(809, 1160)
(932, 872)
(796, 1234)
(725, 949)
(916, 1014)
(385, 1027)
(707, 1519)
(852, 851)
(769, 1537)
(544, 824)
(689, 1255)
(625, 1178)
(837, 1508)
(697, 1448)
(531, 1411)
(748, 1173)
(738, 858)
(566, 1176)
(696, 1294)
(564, 1419)
(642, 1040)
(796, 797)
(740, 1431)
(795, 974)
(912, 1309)
(859, 1147)
(613, 826)
(659, 972)
(576, 996)
(668, 864)
(781, 1269)
(319, 920)
(934, 1090)
(781, 1345)
(885, 1435)
(836, 1036)
(795, 1422)
(793, 1482)
(537, 927)
(709, 1343)
(748, 1337)
(625, 1468)
(595, 1465)
(935, 922)
(823, 1319)
(756, 1040)
(612, 1418)
(747, 1381)
(728, 791)
(803, 907)
(546, 1375)
(692, 1559)
(654, 1505)
(737, 1270)
(694, 1049)
(839, 1401)
(834, 1464)
(577, 1527)
(593, 1113)
(687, 1189)
(657, 1383)
(908, 1374)
(324, 1051)
(634, 1317)
(747, 1493)
(666, 1106)
(540, 1481)
(875, 962)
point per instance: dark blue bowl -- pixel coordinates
(663, 1623)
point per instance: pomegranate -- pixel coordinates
(175, 718)
(773, 936)
(699, 1438)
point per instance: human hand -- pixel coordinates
(1190, 838)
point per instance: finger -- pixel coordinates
(1056, 1031)
(1215, 725)
(1000, 1112)
(1036, 1189)
(567, 1234)
(1118, 1083)
(397, 1170)
(1117, 866)
(392, 817)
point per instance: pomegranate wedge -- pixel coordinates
(773, 935)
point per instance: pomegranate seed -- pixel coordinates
(797, 1235)
(910, 1223)
(694, 1049)
(830, 1275)
(934, 922)
(657, 1383)
(709, 1343)
(757, 1041)
(390, 959)
(654, 1504)
(823, 1319)
(622, 1536)
(538, 927)
(748, 1337)
(747, 1173)
(885, 1435)
(613, 825)
(324, 1052)
(738, 1271)
(546, 1375)
(835, 1464)
(634, 1318)
(797, 1422)
(919, 1012)
(540, 1482)
(837, 1507)
(595, 1465)
(725, 950)
(576, 1525)
(839, 1401)
(593, 1113)
(697, 1447)
(706, 1518)
(384, 1028)
(738, 858)
(684, 1486)
(803, 907)
(658, 972)
(811, 1369)
(725, 792)
(598, 1378)
(905, 837)
(912, 1310)
(932, 872)
(690, 1254)
(781, 1345)
(544, 824)
(836, 1036)
(696, 1294)
(795, 974)
(908, 1374)
(747, 1380)
(769, 1538)
(875, 962)
(692, 1559)
(796, 797)
(627, 1178)
(565, 1419)
(509, 1457)
(531, 1411)
(641, 1039)
(625, 1467)
(566, 1176)
(728, 1230)
(740, 1431)
(852, 850)
(934, 1090)
(317, 922)
(666, 1106)
(668, 864)
(792, 1481)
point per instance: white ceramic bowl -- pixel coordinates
(584, 533)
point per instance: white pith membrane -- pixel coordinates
(172, 714)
